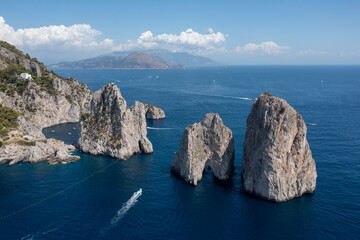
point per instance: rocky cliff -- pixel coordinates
(208, 143)
(277, 162)
(153, 112)
(111, 128)
(37, 98)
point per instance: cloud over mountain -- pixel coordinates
(59, 42)
(84, 37)
(268, 48)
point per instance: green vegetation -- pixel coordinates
(56, 75)
(45, 82)
(30, 108)
(3, 132)
(8, 118)
(267, 94)
(10, 82)
(68, 97)
(1, 143)
(12, 48)
(84, 116)
(25, 143)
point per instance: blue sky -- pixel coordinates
(231, 32)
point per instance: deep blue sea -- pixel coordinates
(93, 198)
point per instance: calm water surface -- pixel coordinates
(97, 202)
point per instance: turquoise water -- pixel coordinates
(97, 202)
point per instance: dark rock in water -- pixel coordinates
(208, 143)
(277, 162)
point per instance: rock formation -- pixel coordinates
(19, 150)
(153, 112)
(111, 128)
(41, 101)
(277, 162)
(208, 143)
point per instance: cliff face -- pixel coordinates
(47, 98)
(39, 98)
(208, 143)
(111, 128)
(153, 112)
(277, 162)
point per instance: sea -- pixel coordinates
(100, 197)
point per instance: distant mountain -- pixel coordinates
(146, 59)
(173, 58)
(142, 60)
(135, 60)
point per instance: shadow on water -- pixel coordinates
(67, 132)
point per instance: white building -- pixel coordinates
(25, 76)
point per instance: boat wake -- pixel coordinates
(154, 128)
(239, 98)
(126, 207)
(123, 210)
(41, 233)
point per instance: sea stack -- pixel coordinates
(111, 128)
(208, 143)
(277, 163)
(153, 112)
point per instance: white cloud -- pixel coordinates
(268, 48)
(75, 36)
(187, 40)
(83, 38)
(311, 52)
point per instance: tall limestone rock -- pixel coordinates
(111, 128)
(208, 143)
(277, 163)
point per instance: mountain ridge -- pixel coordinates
(142, 59)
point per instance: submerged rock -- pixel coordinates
(277, 162)
(111, 128)
(153, 112)
(208, 143)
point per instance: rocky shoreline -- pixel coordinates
(38, 98)
(277, 162)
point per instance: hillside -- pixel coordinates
(141, 61)
(144, 59)
(135, 60)
(32, 98)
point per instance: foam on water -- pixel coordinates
(123, 210)
(154, 128)
(126, 207)
(41, 233)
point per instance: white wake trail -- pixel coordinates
(154, 128)
(122, 212)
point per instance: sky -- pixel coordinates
(230, 32)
